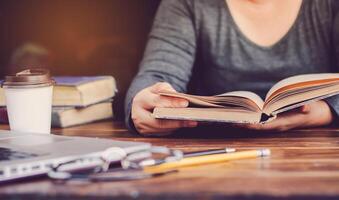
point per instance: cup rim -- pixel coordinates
(28, 78)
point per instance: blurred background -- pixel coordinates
(76, 37)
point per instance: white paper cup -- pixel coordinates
(29, 103)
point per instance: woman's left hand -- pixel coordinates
(311, 115)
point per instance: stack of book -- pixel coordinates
(77, 100)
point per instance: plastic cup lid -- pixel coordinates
(29, 78)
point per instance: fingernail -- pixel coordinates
(183, 103)
(305, 109)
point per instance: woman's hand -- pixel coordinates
(144, 103)
(310, 115)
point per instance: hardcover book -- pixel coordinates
(248, 107)
(79, 91)
(67, 116)
(70, 116)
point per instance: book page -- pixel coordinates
(245, 94)
(237, 98)
(299, 104)
(297, 98)
(301, 81)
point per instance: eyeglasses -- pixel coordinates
(131, 165)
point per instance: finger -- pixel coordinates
(162, 129)
(147, 131)
(167, 124)
(283, 122)
(240, 125)
(250, 126)
(305, 108)
(146, 123)
(172, 124)
(158, 131)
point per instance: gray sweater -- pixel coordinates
(196, 47)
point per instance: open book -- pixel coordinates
(248, 107)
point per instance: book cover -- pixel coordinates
(77, 80)
(79, 91)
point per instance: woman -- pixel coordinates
(215, 46)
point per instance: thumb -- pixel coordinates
(164, 101)
(169, 102)
(162, 87)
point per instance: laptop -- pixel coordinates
(24, 155)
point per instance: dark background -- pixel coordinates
(78, 37)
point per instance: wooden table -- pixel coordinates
(304, 164)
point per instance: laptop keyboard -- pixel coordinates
(7, 154)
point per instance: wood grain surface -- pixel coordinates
(304, 165)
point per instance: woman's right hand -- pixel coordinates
(144, 103)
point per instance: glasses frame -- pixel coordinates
(131, 165)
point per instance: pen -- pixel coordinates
(208, 152)
(150, 162)
(208, 159)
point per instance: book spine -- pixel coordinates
(267, 118)
(3, 116)
(56, 120)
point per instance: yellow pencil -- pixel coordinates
(208, 159)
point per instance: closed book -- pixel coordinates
(70, 116)
(2, 97)
(3, 115)
(67, 116)
(79, 91)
